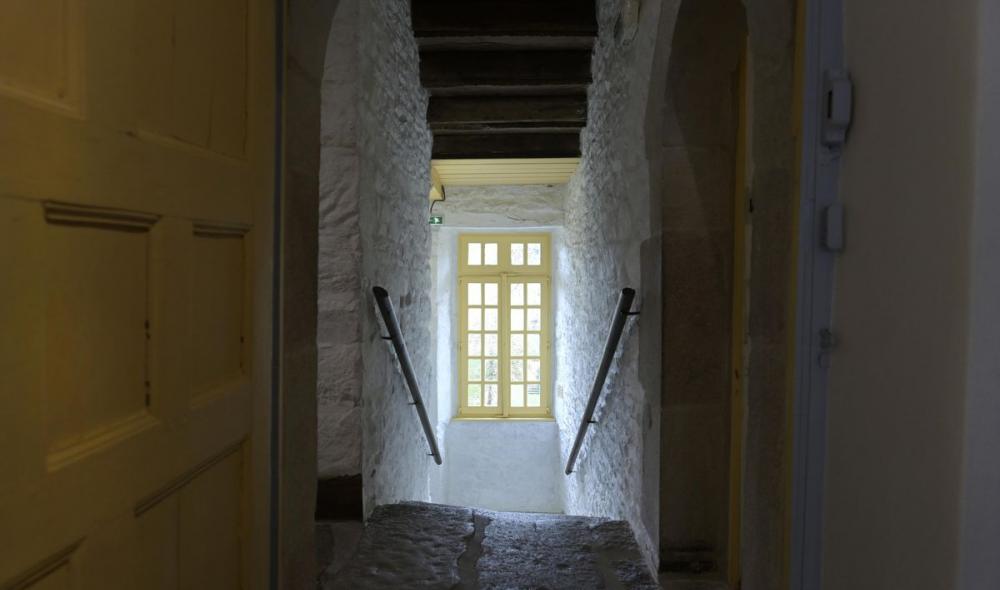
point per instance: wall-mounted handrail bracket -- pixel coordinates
(396, 336)
(621, 314)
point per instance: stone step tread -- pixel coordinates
(419, 545)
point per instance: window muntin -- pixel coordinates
(504, 323)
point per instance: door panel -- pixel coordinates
(136, 162)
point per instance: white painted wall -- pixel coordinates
(533, 205)
(898, 399)
(504, 465)
(980, 524)
(500, 465)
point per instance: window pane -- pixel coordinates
(475, 294)
(516, 370)
(517, 254)
(490, 255)
(491, 321)
(475, 344)
(517, 345)
(534, 318)
(517, 293)
(493, 369)
(475, 370)
(475, 395)
(492, 292)
(534, 395)
(475, 254)
(534, 345)
(534, 293)
(492, 345)
(492, 395)
(534, 370)
(516, 320)
(475, 319)
(517, 396)
(535, 254)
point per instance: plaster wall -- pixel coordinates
(610, 241)
(980, 527)
(700, 117)
(897, 383)
(533, 205)
(504, 465)
(307, 30)
(500, 465)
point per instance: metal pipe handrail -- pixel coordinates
(614, 336)
(392, 324)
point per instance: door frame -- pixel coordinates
(821, 49)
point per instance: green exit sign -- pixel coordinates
(437, 219)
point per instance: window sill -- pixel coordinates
(503, 419)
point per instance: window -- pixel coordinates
(504, 325)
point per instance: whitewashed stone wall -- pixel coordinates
(338, 336)
(395, 151)
(528, 205)
(373, 231)
(610, 241)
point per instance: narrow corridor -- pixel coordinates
(416, 545)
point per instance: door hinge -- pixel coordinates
(832, 234)
(838, 110)
(827, 344)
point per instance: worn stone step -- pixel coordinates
(417, 545)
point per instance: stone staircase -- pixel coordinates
(431, 546)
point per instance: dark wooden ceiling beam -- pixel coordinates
(506, 110)
(507, 145)
(495, 71)
(437, 18)
(504, 43)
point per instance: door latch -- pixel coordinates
(838, 92)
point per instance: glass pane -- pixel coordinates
(492, 395)
(517, 396)
(491, 320)
(534, 370)
(492, 345)
(517, 345)
(516, 370)
(493, 370)
(535, 254)
(517, 293)
(475, 370)
(475, 319)
(475, 254)
(517, 254)
(475, 395)
(534, 395)
(534, 345)
(492, 293)
(475, 294)
(516, 320)
(534, 293)
(475, 345)
(534, 318)
(490, 256)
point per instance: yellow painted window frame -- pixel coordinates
(504, 273)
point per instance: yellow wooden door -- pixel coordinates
(136, 151)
